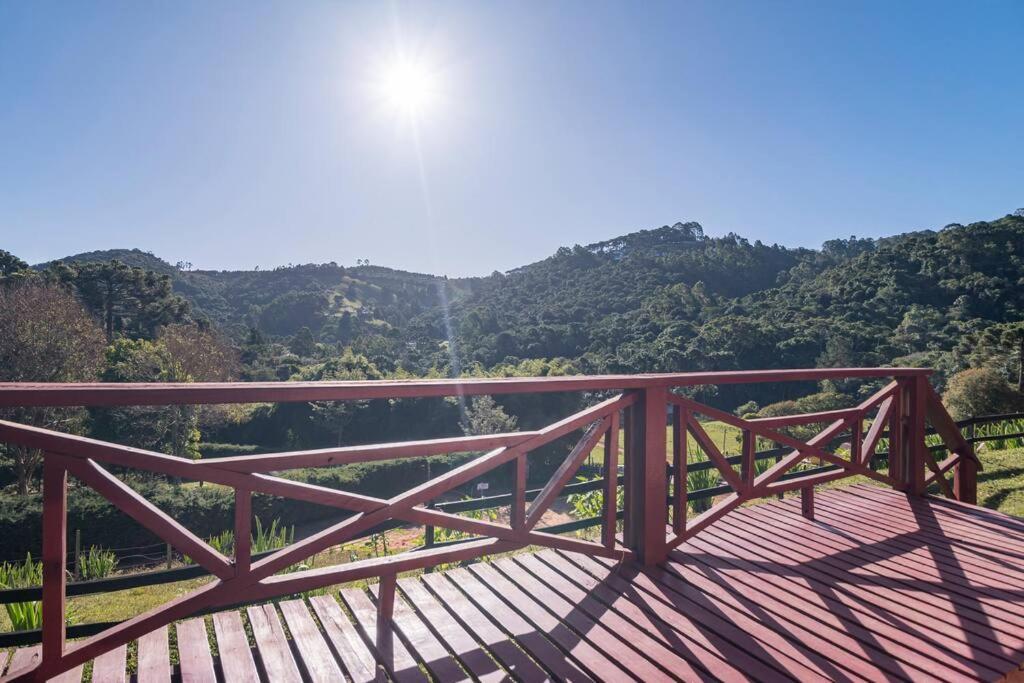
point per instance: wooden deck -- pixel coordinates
(880, 586)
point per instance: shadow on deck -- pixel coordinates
(879, 587)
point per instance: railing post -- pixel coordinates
(647, 488)
(243, 531)
(807, 502)
(611, 482)
(749, 449)
(385, 613)
(897, 437)
(917, 390)
(680, 455)
(517, 511)
(965, 473)
(55, 518)
(965, 481)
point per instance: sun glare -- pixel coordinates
(408, 86)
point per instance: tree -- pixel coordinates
(485, 416)
(11, 264)
(45, 336)
(200, 353)
(128, 300)
(168, 429)
(979, 391)
(1001, 347)
(302, 343)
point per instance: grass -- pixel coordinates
(1001, 483)
(726, 437)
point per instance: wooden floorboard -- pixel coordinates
(489, 636)
(443, 625)
(111, 667)
(399, 662)
(274, 652)
(195, 660)
(154, 657)
(878, 587)
(236, 661)
(813, 583)
(347, 644)
(318, 662)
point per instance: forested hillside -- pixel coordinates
(668, 299)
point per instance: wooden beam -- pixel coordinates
(148, 515)
(171, 393)
(326, 457)
(680, 456)
(243, 531)
(611, 482)
(55, 521)
(565, 471)
(714, 455)
(879, 424)
(807, 502)
(806, 418)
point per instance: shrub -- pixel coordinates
(980, 391)
(24, 616)
(97, 564)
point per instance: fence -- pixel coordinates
(656, 496)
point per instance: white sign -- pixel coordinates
(482, 486)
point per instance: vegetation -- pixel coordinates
(96, 563)
(23, 615)
(668, 299)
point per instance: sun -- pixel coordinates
(409, 86)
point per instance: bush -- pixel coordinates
(24, 616)
(97, 564)
(980, 391)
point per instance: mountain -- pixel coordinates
(666, 299)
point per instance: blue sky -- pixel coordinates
(240, 134)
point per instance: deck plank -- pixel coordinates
(317, 658)
(24, 658)
(767, 572)
(954, 552)
(495, 641)
(236, 662)
(958, 540)
(154, 657)
(428, 648)
(272, 645)
(399, 662)
(194, 656)
(348, 645)
(637, 649)
(526, 636)
(810, 572)
(4, 656)
(854, 569)
(476, 661)
(674, 606)
(913, 549)
(589, 651)
(685, 634)
(111, 667)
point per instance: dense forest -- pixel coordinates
(667, 299)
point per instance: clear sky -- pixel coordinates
(264, 133)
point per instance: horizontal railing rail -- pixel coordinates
(636, 406)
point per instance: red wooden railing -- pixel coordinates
(639, 409)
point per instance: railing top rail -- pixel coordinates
(114, 394)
